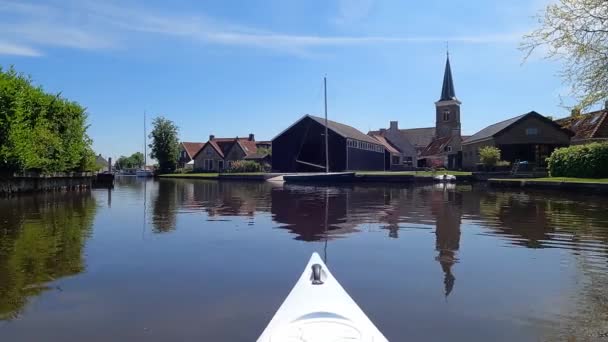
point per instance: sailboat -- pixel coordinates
(322, 177)
(144, 172)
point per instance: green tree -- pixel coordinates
(165, 144)
(489, 155)
(137, 159)
(41, 131)
(576, 33)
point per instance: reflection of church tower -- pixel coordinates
(447, 212)
(447, 109)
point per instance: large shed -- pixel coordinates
(301, 148)
(529, 137)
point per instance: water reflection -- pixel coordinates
(42, 239)
(428, 243)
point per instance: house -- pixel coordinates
(101, 164)
(393, 156)
(301, 148)
(187, 151)
(529, 137)
(590, 127)
(217, 154)
(263, 144)
(431, 146)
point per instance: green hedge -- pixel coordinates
(245, 166)
(40, 131)
(583, 161)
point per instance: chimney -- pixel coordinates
(382, 131)
(211, 137)
(394, 125)
(251, 137)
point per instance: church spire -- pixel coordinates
(447, 90)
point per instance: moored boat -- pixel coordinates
(318, 309)
(445, 178)
(320, 177)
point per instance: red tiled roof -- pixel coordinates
(436, 146)
(387, 144)
(192, 148)
(585, 126)
(223, 145)
(248, 146)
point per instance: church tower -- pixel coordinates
(447, 109)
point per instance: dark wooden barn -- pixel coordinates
(301, 148)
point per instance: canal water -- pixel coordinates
(193, 260)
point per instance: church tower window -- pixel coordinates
(446, 115)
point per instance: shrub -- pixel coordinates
(245, 166)
(585, 161)
(489, 155)
(503, 163)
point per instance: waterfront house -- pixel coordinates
(218, 154)
(394, 158)
(187, 151)
(529, 137)
(589, 127)
(301, 148)
(438, 146)
(101, 164)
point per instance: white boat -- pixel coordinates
(445, 178)
(144, 173)
(318, 309)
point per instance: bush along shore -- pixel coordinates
(42, 136)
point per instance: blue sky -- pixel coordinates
(229, 67)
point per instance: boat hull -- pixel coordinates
(319, 312)
(335, 177)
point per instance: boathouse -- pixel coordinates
(529, 137)
(301, 148)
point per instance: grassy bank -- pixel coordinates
(414, 173)
(558, 179)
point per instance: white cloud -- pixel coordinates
(18, 50)
(352, 11)
(85, 24)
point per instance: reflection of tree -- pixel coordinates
(164, 206)
(42, 239)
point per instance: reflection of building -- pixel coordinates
(447, 209)
(312, 213)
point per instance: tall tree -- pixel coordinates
(40, 131)
(576, 33)
(165, 144)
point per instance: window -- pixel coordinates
(448, 148)
(395, 160)
(183, 154)
(446, 115)
(208, 164)
(209, 152)
(220, 164)
(407, 161)
(532, 131)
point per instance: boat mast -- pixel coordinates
(145, 147)
(326, 137)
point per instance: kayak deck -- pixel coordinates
(318, 309)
